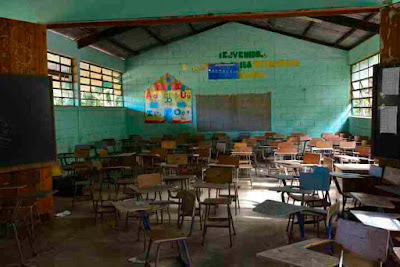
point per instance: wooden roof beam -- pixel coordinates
(155, 36)
(309, 26)
(305, 38)
(351, 23)
(97, 37)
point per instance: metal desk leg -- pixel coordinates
(300, 220)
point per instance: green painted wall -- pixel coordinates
(77, 125)
(49, 11)
(312, 98)
(359, 125)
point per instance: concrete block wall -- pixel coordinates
(311, 98)
(77, 125)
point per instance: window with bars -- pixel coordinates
(361, 86)
(100, 87)
(60, 69)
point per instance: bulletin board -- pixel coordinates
(168, 100)
(244, 112)
(385, 113)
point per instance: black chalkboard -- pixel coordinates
(385, 145)
(27, 133)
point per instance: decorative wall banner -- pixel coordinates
(223, 71)
(168, 100)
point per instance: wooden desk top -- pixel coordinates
(353, 167)
(322, 148)
(374, 200)
(157, 188)
(387, 221)
(348, 158)
(221, 165)
(208, 185)
(289, 189)
(298, 255)
(389, 188)
(122, 155)
(345, 175)
(132, 205)
(179, 177)
(277, 209)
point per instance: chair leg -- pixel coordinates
(30, 238)
(344, 200)
(230, 230)
(18, 244)
(189, 263)
(205, 225)
(231, 219)
(148, 251)
(157, 254)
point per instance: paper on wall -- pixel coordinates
(390, 81)
(388, 119)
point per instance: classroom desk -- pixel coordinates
(183, 179)
(276, 209)
(297, 254)
(387, 221)
(131, 205)
(290, 189)
(347, 158)
(353, 168)
(324, 149)
(389, 188)
(153, 189)
(374, 200)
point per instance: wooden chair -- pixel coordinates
(312, 158)
(187, 208)
(347, 147)
(362, 245)
(286, 149)
(101, 199)
(204, 145)
(363, 151)
(81, 178)
(82, 153)
(168, 144)
(220, 149)
(240, 147)
(159, 236)
(204, 155)
(229, 160)
(10, 217)
(218, 176)
(313, 141)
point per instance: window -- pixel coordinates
(60, 69)
(361, 86)
(100, 87)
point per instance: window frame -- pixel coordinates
(102, 81)
(55, 72)
(359, 80)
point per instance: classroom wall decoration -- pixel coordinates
(168, 100)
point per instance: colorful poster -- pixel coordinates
(168, 100)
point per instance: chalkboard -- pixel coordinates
(244, 112)
(26, 120)
(385, 144)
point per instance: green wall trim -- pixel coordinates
(50, 11)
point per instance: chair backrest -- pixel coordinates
(328, 163)
(217, 135)
(82, 152)
(102, 153)
(160, 151)
(327, 135)
(287, 148)
(109, 142)
(188, 204)
(347, 144)
(239, 147)
(313, 141)
(305, 137)
(149, 180)
(270, 134)
(205, 145)
(312, 158)
(363, 151)
(318, 180)
(177, 159)
(324, 144)
(293, 139)
(168, 144)
(204, 153)
(219, 175)
(365, 241)
(228, 160)
(274, 144)
(220, 147)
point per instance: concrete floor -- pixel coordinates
(76, 241)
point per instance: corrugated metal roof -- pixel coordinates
(130, 42)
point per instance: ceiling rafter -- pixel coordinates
(305, 38)
(309, 26)
(191, 27)
(351, 22)
(350, 32)
(155, 36)
(215, 17)
(102, 35)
